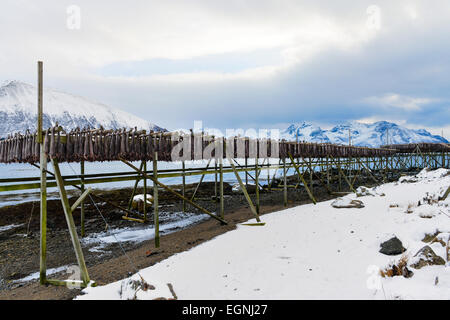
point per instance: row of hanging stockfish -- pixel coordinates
(134, 145)
(419, 147)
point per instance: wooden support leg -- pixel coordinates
(183, 190)
(145, 192)
(133, 193)
(244, 190)
(215, 180)
(155, 199)
(311, 196)
(82, 233)
(200, 182)
(43, 216)
(70, 223)
(284, 183)
(222, 205)
(340, 171)
(257, 184)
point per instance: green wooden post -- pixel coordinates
(145, 191)
(43, 215)
(215, 180)
(70, 223)
(222, 204)
(155, 199)
(183, 191)
(82, 202)
(284, 183)
(43, 178)
(257, 184)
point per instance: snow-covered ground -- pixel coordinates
(312, 252)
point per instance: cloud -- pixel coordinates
(393, 100)
(240, 63)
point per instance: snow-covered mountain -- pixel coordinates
(18, 111)
(362, 134)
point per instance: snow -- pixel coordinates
(10, 226)
(310, 252)
(35, 275)
(169, 222)
(362, 134)
(140, 197)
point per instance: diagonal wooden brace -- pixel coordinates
(244, 190)
(70, 223)
(172, 191)
(80, 199)
(345, 177)
(303, 180)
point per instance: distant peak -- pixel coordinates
(15, 84)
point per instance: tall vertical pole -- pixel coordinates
(82, 202)
(246, 175)
(155, 199)
(284, 183)
(257, 184)
(222, 205)
(215, 180)
(70, 223)
(145, 191)
(183, 190)
(43, 169)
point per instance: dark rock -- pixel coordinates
(426, 257)
(392, 247)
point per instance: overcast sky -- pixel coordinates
(242, 64)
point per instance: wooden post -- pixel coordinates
(40, 112)
(246, 175)
(244, 190)
(222, 205)
(311, 196)
(70, 223)
(215, 180)
(257, 184)
(136, 183)
(284, 183)
(145, 192)
(328, 173)
(155, 199)
(183, 190)
(43, 171)
(82, 202)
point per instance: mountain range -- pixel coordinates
(361, 134)
(18, 111)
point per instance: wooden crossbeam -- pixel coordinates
(311, 196)
(173, 191)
